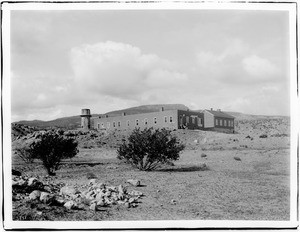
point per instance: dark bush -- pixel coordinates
(147, 149)
(263, 136)
(51, 149)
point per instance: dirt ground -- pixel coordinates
(256, 187)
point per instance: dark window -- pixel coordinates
(114, 124)
(128, 123)
(137, 122)
(146, 121)
(119, 124)
(166, 119)
(171, 119)
(155, 120)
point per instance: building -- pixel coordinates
(218, 120)
(171, 119)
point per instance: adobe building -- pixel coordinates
(170, 119)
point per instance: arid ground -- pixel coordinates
(242, 176)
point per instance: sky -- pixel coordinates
(104, 60)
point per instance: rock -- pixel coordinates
(67, 190)
(100, 186)
(112, 188)
(45, 197)
(203, 155)
(173, 202)
(127, 205)
(136, 193)
(121, 189)
(101, 203)
(132, 200)
(99, 196)
(34, 195)
(70, 205)
(237, 158)
(48, 189)
(93, 207)
(32, 181)
(92, 181)
(135, 183)
(59, 200)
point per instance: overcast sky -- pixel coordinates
(62, 61)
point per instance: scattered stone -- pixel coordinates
(127, 205)
(67, 190)
(32, 181)
(237, 158)
(135, 183)
(34, 195)
(173, 202)
(45, 197)
(136, 193)
(93, 207)
(92, 181)
(70, 205)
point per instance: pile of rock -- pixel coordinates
(22, 186)
(99, 195)
(93, 196)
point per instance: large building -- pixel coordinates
(171, 119)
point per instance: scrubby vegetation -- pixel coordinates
(147, 149)
(51, 149)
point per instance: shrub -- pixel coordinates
(25, 154)
(263, 136)
(51, 149)
(147, 149)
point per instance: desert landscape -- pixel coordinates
(219, 176)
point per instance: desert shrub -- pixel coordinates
(51, 149)
(24, 153)
(263, 136)
(147, 149)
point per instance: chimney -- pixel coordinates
(106, 116)
(211, 109)
(123, 113)
(162, 109)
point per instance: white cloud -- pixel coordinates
(121, 70)
(259, 67)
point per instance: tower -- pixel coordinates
(85, 119)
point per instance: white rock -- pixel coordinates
(93, 207)
(70, 205)
(67, 190)
(92, 181)
(45, 197)
(34, 195)
(134, 182)
(32, 181)
(136, 193)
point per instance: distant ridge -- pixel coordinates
(73, 122)
(147, 109)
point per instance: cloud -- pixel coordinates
(121, 70)
(259, 67)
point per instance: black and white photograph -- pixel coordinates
(150, 115)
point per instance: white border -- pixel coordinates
(9, 224)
